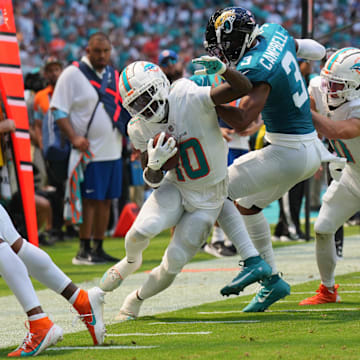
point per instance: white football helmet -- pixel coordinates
(341, 76)
(144, 89)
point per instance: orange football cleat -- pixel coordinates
(89, 305)
(323, 296)
(42, 334)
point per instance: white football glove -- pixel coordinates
(160, 154)
(212, 65)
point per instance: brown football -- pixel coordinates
(173, 161)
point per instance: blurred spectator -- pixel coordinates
(85, 118)
(56, 170)
(171, 65)
(153, 24)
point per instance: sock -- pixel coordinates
(85, 245)
(15, 274)
(326, 258)
(158, 280)
(74, 296)
(135, 243)
(259, 231)
(42, 323)
(233, 225)
(217, 234)
(37, 317)
(42, 268)
(98, 244)
(125, 268)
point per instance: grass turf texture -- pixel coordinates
(63, 252)
(288, 331)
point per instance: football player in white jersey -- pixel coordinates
(189, 197)
(18, 259)
(341, 80)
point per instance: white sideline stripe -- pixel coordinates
(291, 310)
(219, 312)
(114, 347)
(315, 310)
(161, 334)
(312, 292)
(204, 322)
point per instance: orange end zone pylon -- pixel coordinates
(12, 94)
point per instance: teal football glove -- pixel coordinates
(212, 65)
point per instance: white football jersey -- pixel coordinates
(348, 148)
(193, 122)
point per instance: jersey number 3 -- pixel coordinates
(298, 97)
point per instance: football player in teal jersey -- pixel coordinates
(267, 55)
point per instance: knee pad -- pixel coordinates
(195, 230)
(324, 226)
(175, 258)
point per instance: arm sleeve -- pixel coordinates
(310, 49)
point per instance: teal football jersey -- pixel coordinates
(273, 60)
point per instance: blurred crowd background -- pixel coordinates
(141, 28)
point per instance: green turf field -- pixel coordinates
(217, 330)
(220, 331)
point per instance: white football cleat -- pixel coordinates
(91, 314)
(111, 279)
(130, 308)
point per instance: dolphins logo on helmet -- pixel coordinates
(341, 76)
(144, 89)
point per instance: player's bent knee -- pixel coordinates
(175, 258)
(135, 242)
(196, 234)
(324, 227)
(150, 226)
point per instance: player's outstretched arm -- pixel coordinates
(237, 84)
(345, 129)
(309, 49)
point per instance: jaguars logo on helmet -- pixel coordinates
(229, 33)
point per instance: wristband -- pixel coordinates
(148, 182)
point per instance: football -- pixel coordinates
(173, 161)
